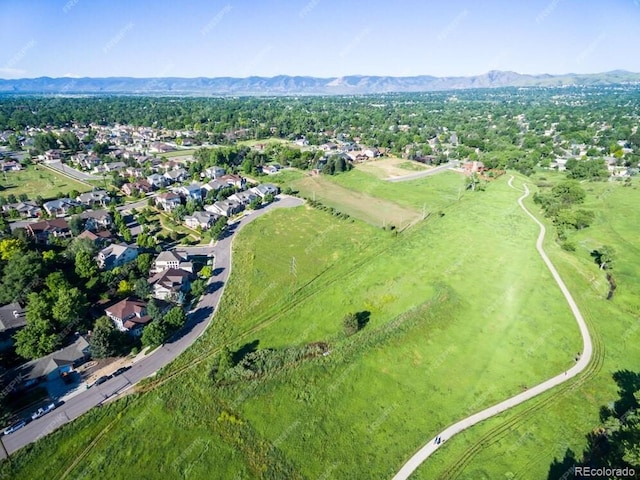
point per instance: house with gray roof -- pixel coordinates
(60, 207)
(116, 255)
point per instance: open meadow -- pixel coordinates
(458, 313)
(366, 197)
(387, 167)
(37, 181)
(542, 438)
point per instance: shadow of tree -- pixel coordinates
(245, 350)
(363, 318)
(615, 443)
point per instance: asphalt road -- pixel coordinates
(72, 172)
(425, 173)
(427, 450)
(198, 320)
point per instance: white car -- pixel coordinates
(43, 411)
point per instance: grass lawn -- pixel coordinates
(35, 180)
(524, 443)
(377, 201)
(431, 193)
(462, 313)
(373, 210)
(187, 152)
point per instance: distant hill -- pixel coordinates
(296, 85)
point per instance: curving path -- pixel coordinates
(426, 451)
(198, 320)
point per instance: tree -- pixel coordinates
(38, 337)
(20, 276)
(255, 204)
(198, 287)
(70, 141)
(153, 310)
(69, 307)
(154, 334)
(103, 340)
(175, 318)
(569, 192)
(604, 257)
(141, 288)
(144, 262)
(225, 361)
(124, 288)
(45, 141)
(14, 143)
(205, 272)
(350, 324)
(76, 224)
(80, 244)
(10, 247)
(56, 281)
(85, 266)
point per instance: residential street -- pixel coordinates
(72, 172)
(425, 452)
(198, 320)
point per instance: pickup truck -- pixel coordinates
(43, 411)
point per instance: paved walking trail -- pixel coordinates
(426, 451)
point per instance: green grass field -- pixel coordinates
(462, 314)
(378, 202)
(36, 180)
(524, 442)
(178, 153)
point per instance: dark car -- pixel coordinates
(102, 379)
(120, 371)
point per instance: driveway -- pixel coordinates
(427, 450)
(197, 321)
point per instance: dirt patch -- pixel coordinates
(391, 167)
(368, 208)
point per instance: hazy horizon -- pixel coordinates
(316, 38)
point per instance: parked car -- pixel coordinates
(43, 411)
(15, 426)
(102, 379)
(120, 371)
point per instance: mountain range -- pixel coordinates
(302, 85)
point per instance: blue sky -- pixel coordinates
(315, 37)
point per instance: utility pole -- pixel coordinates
(293, 269)
(424, 211)
(4, 449)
